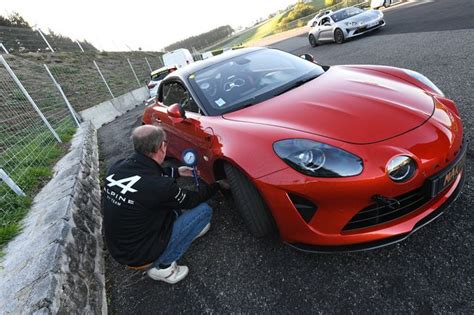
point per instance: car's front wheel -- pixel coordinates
(338, 36)
(312, 41)
(250, 204)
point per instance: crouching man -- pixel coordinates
(143, 222)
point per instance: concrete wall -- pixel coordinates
(56, 264)
(107, 111)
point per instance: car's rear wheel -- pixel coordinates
(250, 204)
(312, 41)
(338, 36)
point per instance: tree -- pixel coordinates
(17, 20)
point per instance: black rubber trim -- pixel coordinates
(386, 241)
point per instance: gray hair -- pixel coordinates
(147, 139)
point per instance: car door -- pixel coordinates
(188, 133)
(325, 29)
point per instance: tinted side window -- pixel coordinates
(175, 93)
(324, 20)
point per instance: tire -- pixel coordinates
(338, 36)
(312, 41)
(250, 204)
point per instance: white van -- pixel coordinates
(179, 57)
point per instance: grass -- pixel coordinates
(28, 155)
(32, 172)
(275, 25)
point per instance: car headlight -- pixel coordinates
(401, 168)
(424, 80)
(318, 159)
(350, 24)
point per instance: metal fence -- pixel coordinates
(22, 40)
(40, 95)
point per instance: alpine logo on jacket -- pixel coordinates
(127, 186)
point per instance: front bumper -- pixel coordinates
(357, 31)
(339, 200)
(457, 186)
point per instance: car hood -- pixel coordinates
(354, 105)
(363, 17)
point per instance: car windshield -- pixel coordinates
(250, 78)
(345, 14)
(160, 75)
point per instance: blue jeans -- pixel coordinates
(185, 229)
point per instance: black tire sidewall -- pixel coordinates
(249, 203)
(336, 32)
(312, 42)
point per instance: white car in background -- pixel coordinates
(156, 77)
(340, 25)
(375, 4)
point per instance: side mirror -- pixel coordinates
(308, 57)
(176, 113)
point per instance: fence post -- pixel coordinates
(63, 95)
(4, 49)
(28, 97)
(79, 44)
(149, 67)
(103, 79)
(44, 38)
(4, 176)
(138, 81)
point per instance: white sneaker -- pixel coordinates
(203, 231)
(172, 274)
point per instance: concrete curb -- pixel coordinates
(107, 111)
(56, 264)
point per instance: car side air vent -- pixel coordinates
(306, 208)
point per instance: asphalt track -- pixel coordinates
(432, 271)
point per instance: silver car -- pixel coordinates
(343, 24)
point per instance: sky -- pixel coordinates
(150, 25)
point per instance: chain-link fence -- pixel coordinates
(22, 39)
(40, 95)
(28, 140)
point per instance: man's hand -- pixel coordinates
(185, 171)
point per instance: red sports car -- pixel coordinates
(334, 158)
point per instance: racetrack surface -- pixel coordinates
(230, 271)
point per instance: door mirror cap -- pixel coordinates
(176, 113)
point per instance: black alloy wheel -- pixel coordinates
(339, 36)
(312, 41)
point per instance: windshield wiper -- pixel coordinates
(296, 84)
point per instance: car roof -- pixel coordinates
(342, 9)
(202, 64)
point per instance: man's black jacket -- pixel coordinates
(139, 199)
